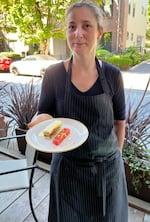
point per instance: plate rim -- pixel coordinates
(57, 150)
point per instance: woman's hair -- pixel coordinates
(95, 9)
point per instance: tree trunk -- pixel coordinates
(44, 47)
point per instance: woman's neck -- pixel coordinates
(83, 64)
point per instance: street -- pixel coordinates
(143, 68)
(135, 81)
(135, 78)
(10, 78)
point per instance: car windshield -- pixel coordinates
(45, 57)
(39, 57)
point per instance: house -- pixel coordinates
(125, 23)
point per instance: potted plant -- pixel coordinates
(20, 107)
(136, 154)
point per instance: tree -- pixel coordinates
(36, 21)
(148, 25)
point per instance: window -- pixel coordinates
(129, 9)
(106, 41)
(134, 6)
(133, 12)
(131, 36)
(143, 11)
(127, 35)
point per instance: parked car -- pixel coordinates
(32, 65)
(5, 63)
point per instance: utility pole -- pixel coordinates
(118, 26)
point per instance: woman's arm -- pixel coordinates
(120, 132)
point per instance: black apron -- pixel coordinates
(88, 183)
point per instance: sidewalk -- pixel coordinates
(135, 80)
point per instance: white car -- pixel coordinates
(34, 65)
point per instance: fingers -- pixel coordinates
(32, 123)
(39, 118)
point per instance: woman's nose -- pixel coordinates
(78, 32)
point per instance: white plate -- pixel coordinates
(78, 135)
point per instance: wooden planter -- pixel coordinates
(44, 157)
(144, 192)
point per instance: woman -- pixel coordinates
(88, 183)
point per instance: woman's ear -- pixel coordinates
(100, 34)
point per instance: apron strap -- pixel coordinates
(105, 86)
(100, 69)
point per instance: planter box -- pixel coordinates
(144, 192)
(44, 157)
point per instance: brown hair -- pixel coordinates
(96, 10)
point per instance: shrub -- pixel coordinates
(122, 62)
(14, 56)
(133, 53)
(102, 53)
(146, 56)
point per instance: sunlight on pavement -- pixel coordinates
(10, 78)
(135, 81)
(131, 80)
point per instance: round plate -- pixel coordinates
(78, 135)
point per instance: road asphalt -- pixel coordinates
(137, 77)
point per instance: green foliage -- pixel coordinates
(13, 55)
(133, 53)
(102, 53)
(129, 58)
(148, 34)
(148, 26)
(145, 56)
(35, 20)
(5, 24)
(147, 44)
(139, 166)
(122, 62)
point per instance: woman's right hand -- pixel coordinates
(39, 118)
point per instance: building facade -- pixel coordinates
(124, 24)
(137, 23)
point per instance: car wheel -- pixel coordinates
(15, 71)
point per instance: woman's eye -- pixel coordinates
(87, 26)
(71, 27)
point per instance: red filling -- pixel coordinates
(61, 136)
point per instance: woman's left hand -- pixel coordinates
(39, 118)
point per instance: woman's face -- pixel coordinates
(82, 31)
